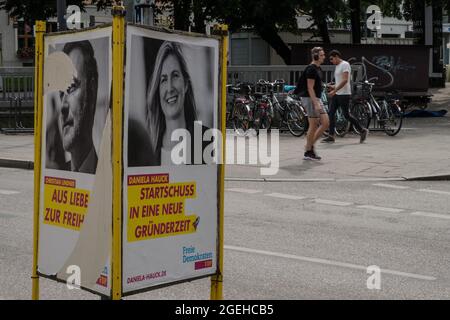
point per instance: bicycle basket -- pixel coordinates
(361, 91)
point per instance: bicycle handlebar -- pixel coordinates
(365, 82)
(268, 83)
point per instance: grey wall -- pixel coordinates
(8, 42)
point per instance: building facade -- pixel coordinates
(17, 38)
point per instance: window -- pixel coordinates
(260, 52)
(239, 51)
(249, 51)
(25, 40)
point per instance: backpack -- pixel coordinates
(300, 87)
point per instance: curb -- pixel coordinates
(440, 177)
(445, 177)
(17, 164)
(313, 180)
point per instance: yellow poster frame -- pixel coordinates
(38, 109)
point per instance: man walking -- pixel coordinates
(340, 97)
(309, 88)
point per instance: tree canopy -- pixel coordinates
(267, 18)
(32, 10)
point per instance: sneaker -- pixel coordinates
(329, 139)
(314, 151)
(311, 155)
(315, 155)
(363, 135)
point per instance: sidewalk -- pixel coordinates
(420, 150)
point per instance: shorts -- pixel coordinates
(310, 110)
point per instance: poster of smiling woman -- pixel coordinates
(170, 212)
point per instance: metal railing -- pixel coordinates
(17, 82)
(16, 118)
(16, 99)
(290, 74)
(390, 41)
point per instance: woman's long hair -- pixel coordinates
(156, 121)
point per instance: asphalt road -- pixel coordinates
(284, 241)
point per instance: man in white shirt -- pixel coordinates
(340, 97)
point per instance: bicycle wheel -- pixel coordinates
(394, 119)
(362, 113)
(296, 121)
(342, 124)
(264, 123)
(241, 121)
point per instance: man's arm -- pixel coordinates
(312, 94)
(344, 81)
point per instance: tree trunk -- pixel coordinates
(181, 13)
(199, 17)
(320, 21)
(270, 35)
(355, 19)
(323, 31)
(418, 17)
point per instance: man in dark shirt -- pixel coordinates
(309, 88)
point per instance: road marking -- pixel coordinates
(369, 179)
(392, 186)
(285, 196)
(328, 262)
(8, 192)
(333, 203)
(241, 190)
(391, 210)
(435, 191)
(431, 215)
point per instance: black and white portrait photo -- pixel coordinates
(77, 103)
(171, 108)
(171, 87)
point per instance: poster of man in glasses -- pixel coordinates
(78, 97)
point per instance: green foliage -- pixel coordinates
(407, 9)
(32, 10)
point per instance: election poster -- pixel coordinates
(170, 182)
(75, 204)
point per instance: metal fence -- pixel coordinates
(17, 83)
(16, 99)
(290, 74)
(390, 41)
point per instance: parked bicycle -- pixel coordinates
(290, 111)
(385, 114)
(240, 109)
